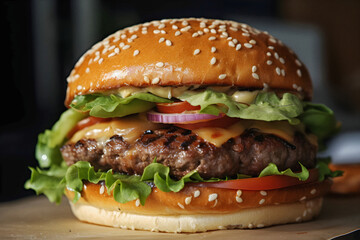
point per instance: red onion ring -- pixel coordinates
(180, 117)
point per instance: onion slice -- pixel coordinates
(180, 117)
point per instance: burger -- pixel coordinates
(187, 125)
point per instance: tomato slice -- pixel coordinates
(262, 183)
(223, 122)
(86, 122)
(176, 107)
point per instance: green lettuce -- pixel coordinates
(47, 150)
(107, 106)
(267, 106)
(272, 169)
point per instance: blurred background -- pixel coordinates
(43, 39)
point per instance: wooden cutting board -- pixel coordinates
(36, 218)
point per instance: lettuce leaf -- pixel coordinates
(47, 150)
(107, 106)
(267, 106)
(319, 120)
(272, 169)
(322, 164)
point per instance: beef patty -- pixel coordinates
(183, 151)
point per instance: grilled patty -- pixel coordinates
(183, 151)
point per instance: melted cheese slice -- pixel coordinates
(132, 127)
(218, 136)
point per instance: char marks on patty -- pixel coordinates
(183, 151)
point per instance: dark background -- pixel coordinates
(42, 40)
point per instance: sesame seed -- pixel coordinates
(126, 47)
(213, 49)
(276, 55)
(260, 225)
(180, 205)
(161, 40)
(102, 189)
(79, 87)
(248, 45)
(213, 30)
(298, 219)
(271, 47)
(185, 23)
(283, 72)
(238, 199)
(196, 193)
(212, 197)
(273, 40)
(278, 72)
(254, 68)
(262, 201)
(282, 60)
(264, 193)
(298, 72)
(212, 38)
(246, 34)
(299, 89)
(159, 64)
(252, 41)
(222, 76)
(313, 191)
(213, 61)
(202, 24)
(101, 60)
(304, 213)
(117, 50)
(121, 44)
(162, 25)
(250, 225)
(238, 46)
(197, 51)
(146, 79)
(231, 44)
(168, 43)
(156, 31)
(188, 200)
(234, 29)
(294, 85)
(195, 34)
(298, 62)
(185, 29)
(303, 198)
(238, 193)
(265, 85)
(155, 80)
(235, 41)
(134, 37)
(136, 52)
(200, 32)
(255, 75)
(268, 62)
(206, 30)
(177, 33)
(174, 27)
(268, 54)
(87, 70)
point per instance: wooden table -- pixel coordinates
(36, 218)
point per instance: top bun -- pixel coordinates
(175, 52)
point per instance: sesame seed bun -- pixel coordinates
(189, 52)
(198, 209)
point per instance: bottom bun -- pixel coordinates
(198, 209)
(247, 218)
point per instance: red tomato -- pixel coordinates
(262, 183)
(86, 122)
(176, 107)
(225, 121)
